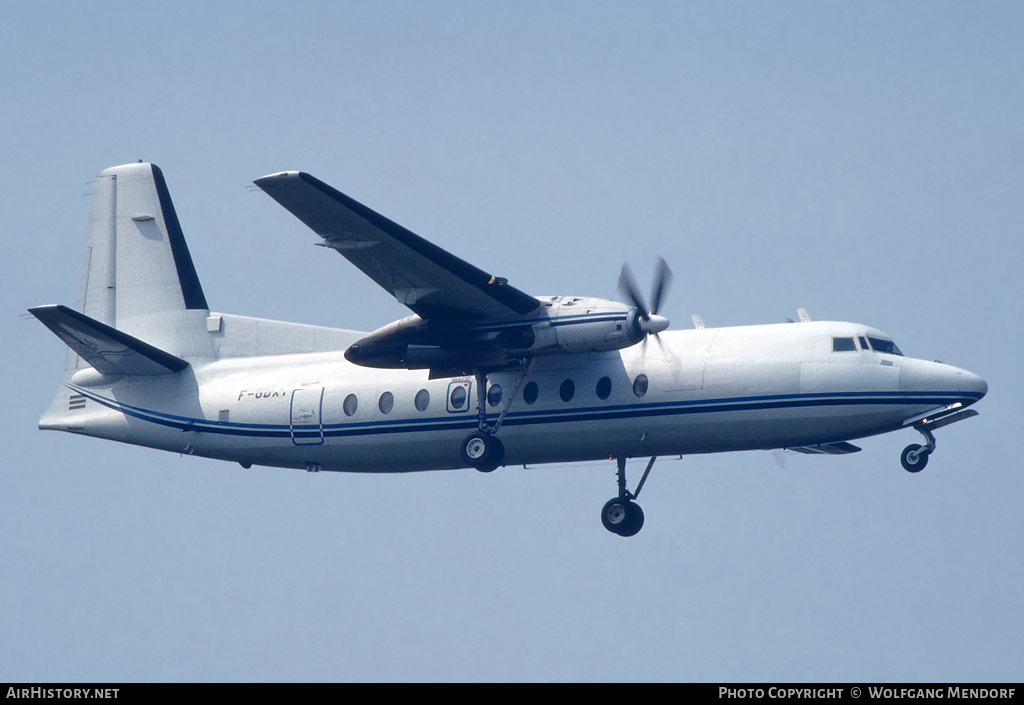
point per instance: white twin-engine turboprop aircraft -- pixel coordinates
(481, 375)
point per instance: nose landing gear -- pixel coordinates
(915, 457)
(621, 515)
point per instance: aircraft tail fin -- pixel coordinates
(137, 262)
(138, 276)
(108, 350)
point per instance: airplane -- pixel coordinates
(480, 375)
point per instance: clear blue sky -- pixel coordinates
(864, 160)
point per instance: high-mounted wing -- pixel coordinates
(434, 283)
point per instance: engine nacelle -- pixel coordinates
(565, 326)
(582, 325)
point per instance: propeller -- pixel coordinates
(648, 320)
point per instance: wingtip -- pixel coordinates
(279, 176)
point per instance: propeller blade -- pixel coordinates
(627, 285)
(662, 281)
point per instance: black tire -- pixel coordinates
(913, 459)
(622, 517)
(482, 451)
(634, 520)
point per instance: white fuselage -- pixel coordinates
(706, 390)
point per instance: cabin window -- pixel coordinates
(458, 397)
(884, 346)
(422, 400)
(350, 405)
(843, 345)
(386, 403)
(494, 395)
(640, 385)
(604, 388)
(530, 392)
(567, 389)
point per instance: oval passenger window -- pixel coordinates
(422, 400)
(640, 385)
(350, 405)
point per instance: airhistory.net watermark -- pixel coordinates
(61, 693)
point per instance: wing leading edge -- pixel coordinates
(432, 282)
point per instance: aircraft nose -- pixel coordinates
(973, 385)
(926, 376)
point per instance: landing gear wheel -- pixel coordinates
(482, 451)
(914, 458)
(622, 516)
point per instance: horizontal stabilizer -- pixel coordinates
(840, 448)
(107, 349)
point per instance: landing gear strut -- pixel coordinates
(621, 515)
(482, 449)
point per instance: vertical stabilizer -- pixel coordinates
(154, 270)
(138, 275)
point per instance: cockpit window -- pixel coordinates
(843, 344)
(884, 346)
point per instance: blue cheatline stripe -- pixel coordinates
(539, 417)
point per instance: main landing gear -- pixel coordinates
(482, 449)
(622, 515)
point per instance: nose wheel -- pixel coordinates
(622, 515)
(914, 457)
